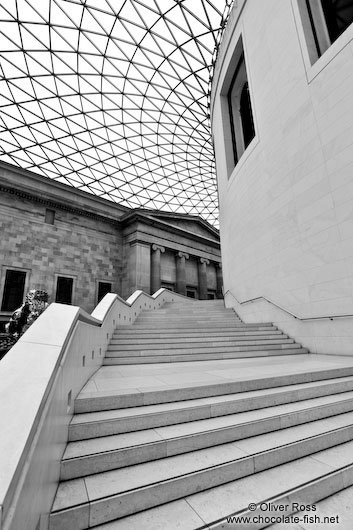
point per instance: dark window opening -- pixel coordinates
(246, 115)
(103, 289)
(240, 110)
(338, 15)
(211, 296)
(13, 290)
(328, 20)
(64, 290)
(49, 216)
(190, 294)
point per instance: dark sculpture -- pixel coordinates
(36, 302)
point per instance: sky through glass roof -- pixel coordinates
(111, 97)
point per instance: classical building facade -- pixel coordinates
(282, 119)
(79, 247)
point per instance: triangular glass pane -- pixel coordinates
(139, 112)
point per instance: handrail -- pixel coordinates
(106, 303)
(88, 319)
(321, 317)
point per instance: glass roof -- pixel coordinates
(112, 96)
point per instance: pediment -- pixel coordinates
(189, 223)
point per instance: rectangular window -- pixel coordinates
(241, 117)
(64, 287)
(103, 289)
(49, 216)
(13, 290)
(323, 22)
(236, 107)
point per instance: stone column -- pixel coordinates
(156, 267)
(181, 272)
(219, 289)
(203, 262)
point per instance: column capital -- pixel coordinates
(158, 247)
(183, 255)
(205, 260)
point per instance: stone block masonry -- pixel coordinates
(74, 246)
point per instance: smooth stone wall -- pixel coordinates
(286, 209)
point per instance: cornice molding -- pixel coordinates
(58, 205)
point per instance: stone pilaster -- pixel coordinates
(219, 277)
(181, 272)
(156, 267)
(139, 267)
(202, 268)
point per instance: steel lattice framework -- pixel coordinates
(111, 96)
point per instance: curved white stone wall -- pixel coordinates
(286, 209)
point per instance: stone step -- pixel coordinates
(188, 322)
(159, 415)
(104, 433)
(190, 309)
(195, 303)
(305, 481)
(202, 326)
(182, 316)
(130, 338)
(132, 331)
(196, 311)
(106, 400)
(193, 311)
(176, 358)
(205, 350)
(199, 345)
(164, 322)
(136, 343)
(108, 495)
(337, 509)
(203, 432)
(202, 315)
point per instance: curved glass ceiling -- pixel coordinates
(111, 96)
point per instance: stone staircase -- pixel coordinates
(222, 431)
(203, 332)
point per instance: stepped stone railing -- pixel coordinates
(40, 378)
(324, 334)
